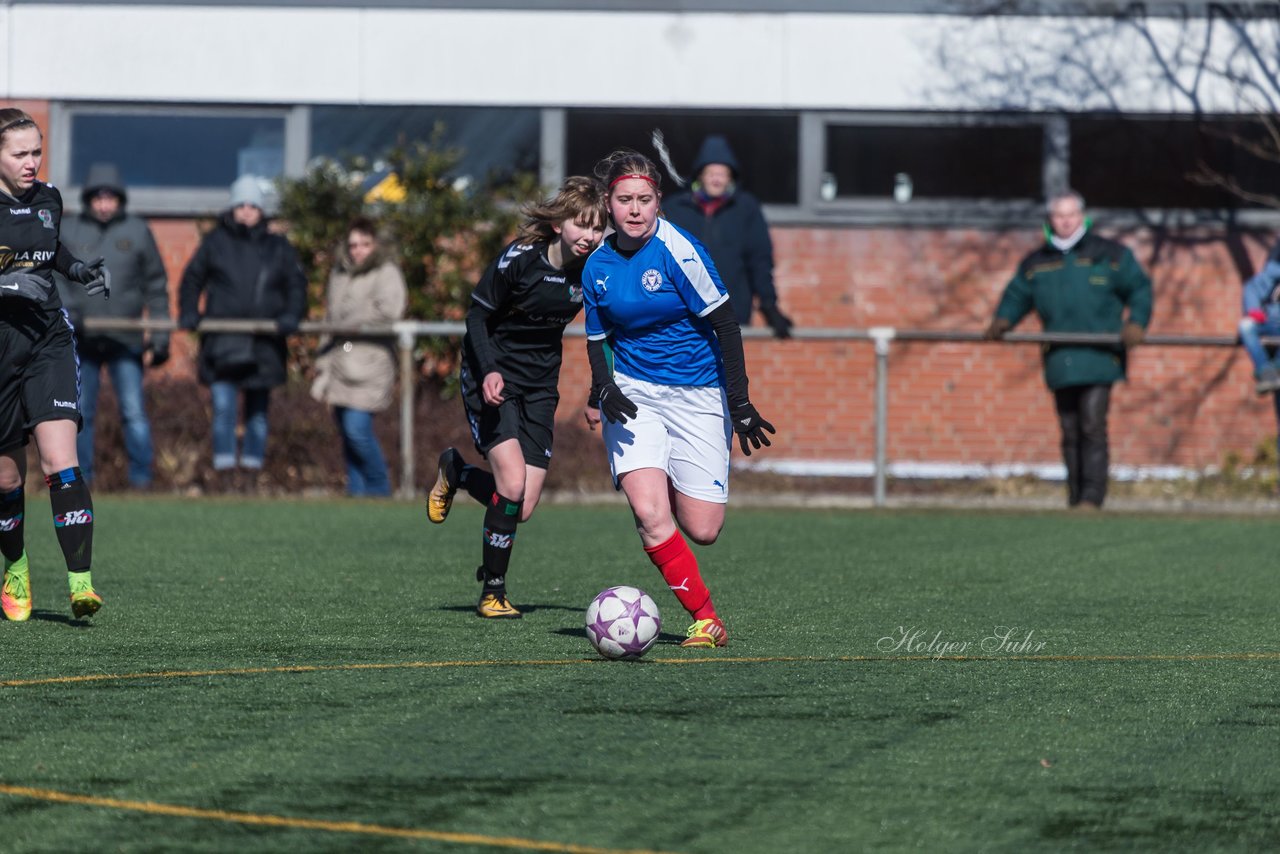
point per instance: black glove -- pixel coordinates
(95, 277)
(189, 322)
(780, 322)
(614, 404)
(20, 283)
(997, 329)
(159, 353)
(750, 427)
(287, 325)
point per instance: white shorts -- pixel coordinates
(682, 430)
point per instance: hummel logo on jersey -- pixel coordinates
(65, 404)
(75, 517)
(19, 211)
(684, 585)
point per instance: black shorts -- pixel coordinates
(528, 415)
(39, 377)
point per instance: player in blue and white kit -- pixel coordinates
(677, 390)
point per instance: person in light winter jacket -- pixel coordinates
(244, 271)
(356, 376)
(1261, 316)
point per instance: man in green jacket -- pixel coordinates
(1079, 282)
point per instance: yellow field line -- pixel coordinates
(309, 824)
(419, 665)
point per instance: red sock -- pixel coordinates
(679, 569)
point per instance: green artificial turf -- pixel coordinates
(1141, 709)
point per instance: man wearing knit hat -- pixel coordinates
(730, 223)
(140, 288)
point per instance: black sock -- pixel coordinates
(478, 483)
(72, 517)
(12, 510)
(500, 521)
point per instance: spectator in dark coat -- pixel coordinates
(244, 271)
(1078, 281)
(104, 229)
(730, 223)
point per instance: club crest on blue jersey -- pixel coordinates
(651, 279)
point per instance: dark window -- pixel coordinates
(495, 143)
(766, 144)
(158, 150)
(1162, 162)
(936, 162)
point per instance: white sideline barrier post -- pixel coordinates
(881, 335)
(405, 338)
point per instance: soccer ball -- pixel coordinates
(623, 622)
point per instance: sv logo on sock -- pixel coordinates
(499, 541)
(75, 517)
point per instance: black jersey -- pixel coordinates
(526, 303)
(29, 241)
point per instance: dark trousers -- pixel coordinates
(1082, 415)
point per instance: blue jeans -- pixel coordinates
(254, 451)
(366, 468)
(125, 370)
(1250, 333)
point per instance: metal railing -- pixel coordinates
(407, 332)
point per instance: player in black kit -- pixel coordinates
(510, 369)
(39, 372)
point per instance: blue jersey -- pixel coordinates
(653, 307)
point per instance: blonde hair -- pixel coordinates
(580, 198)
(11, 118)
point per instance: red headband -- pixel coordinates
(633, 175)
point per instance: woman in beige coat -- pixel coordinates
(355, 375)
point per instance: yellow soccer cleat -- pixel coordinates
(85, 601)
(495, 605)
(440, 499)
(15, 597)
(706, 633)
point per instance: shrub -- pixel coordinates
(446, 228)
